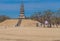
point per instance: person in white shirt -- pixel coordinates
(46, 23)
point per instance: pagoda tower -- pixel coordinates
(22, 16)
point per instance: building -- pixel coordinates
(22, 16)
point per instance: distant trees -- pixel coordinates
(3, 18)
(50, 16)
(36, 16)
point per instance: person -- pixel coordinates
(37, 24)
(46, 23)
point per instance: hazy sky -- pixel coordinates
(12, 7)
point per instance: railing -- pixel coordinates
(19, 22)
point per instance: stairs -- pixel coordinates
(28, 23)
(20, 22)
(9, 22)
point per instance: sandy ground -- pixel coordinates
(29, 34)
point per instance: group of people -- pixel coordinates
(47, 24)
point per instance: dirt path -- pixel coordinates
(29, 34)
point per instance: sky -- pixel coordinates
(11, 8)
